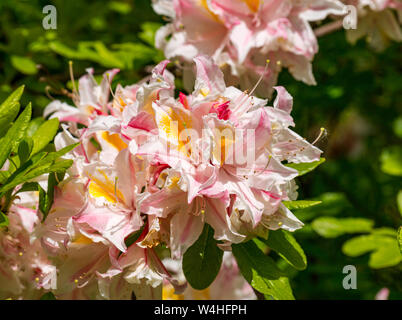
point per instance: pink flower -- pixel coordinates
(241, 35)
(203, 179)
(25, 270)
(163, 167)
(90, 100)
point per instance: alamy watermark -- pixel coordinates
(350, 280)
(49, 22)
(350, 19)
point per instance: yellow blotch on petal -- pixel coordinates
(173, 122)
(114, 140)
(201, 294)
(223, 143)
(166, 125)
(148, 103)
(174, 182)
(168, 293)
(253, 5)
(204, 91)
(81, 239)
(106, 189)
(122, 103)
(204, 4)
(89, 109)
(119, 103)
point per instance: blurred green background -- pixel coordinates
(357, 99)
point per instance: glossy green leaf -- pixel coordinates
(132, 238)
(14, 97)
(29, 186)
(287, 247)
(333, 203)
(120, 7)
(46, 198)
(14, 135)
(399, 201)
(202, 261)
(261, 271)
(330, 227)
(39, 164)
(3, 220)
(25, 149)
(384, 250)
(300, 204)
(304, 168)
(44, 134)
(391, 161)
(34, 125)
(399, 236)
(24, 64)
(9, 110)
(397, 126)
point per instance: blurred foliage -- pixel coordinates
(98, 34)
(357, 100)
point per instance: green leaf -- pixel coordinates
(12, 98)
(399, 201)
(46, 198)
(261, 244)
(391, 161)
(14, 135)
(44, 134)
(34, 125)
(304, 168)
(330, 227)
(399, 236)
(332, 205)
(397, 126)
(9, 110)
(261, 271)
(3, 220)
(287, 247)
(24, 64)
(132, 238)
(384, 250)
(120, 7)
(202, 261)
(35, 169)
(29, 186)
(300, 204)
(89, 50)
(24, 150)
(48, 296)
(384, 231)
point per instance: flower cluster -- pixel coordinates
(241, 34)
(153, 169)
(376, 21)
(25, 270)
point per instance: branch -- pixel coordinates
(328, 28)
